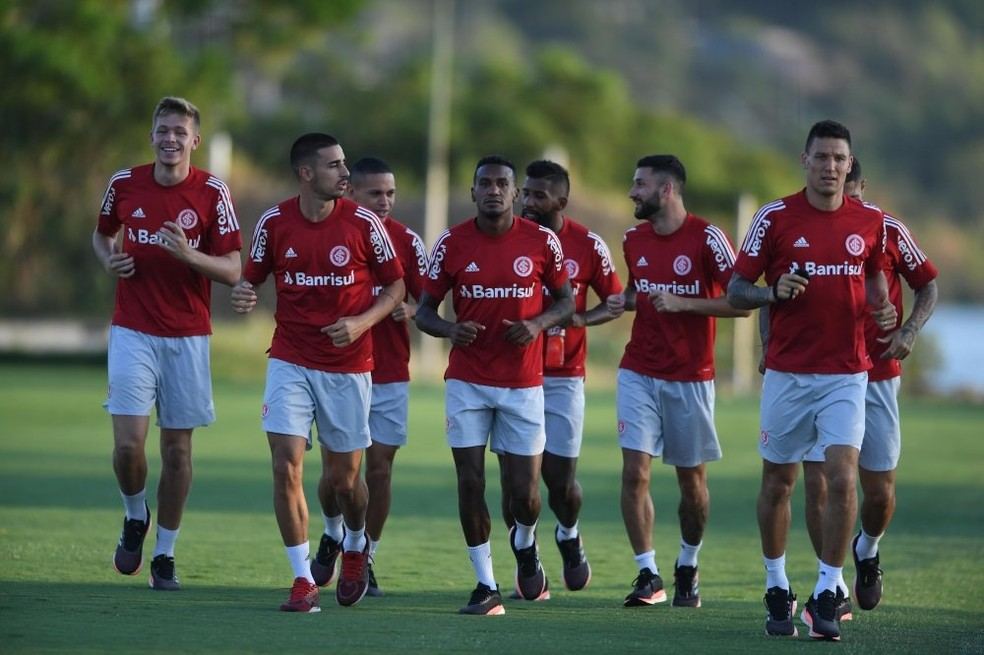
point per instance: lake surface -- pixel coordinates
(958, 332)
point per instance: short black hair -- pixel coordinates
(369, 166)
(668, 164)
(543, 169)
(827, 130)
(493, 160)
(855, 174)
(307, 146)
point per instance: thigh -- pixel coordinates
(341, 409)
(388, 413)
(640, 421)
(882, 443)
(787, 424)
(288, 401)
(468, 414)
(563, 414)
(184, 400)
(689, 437)
(517, 424)
(840, 410)
(132, 371)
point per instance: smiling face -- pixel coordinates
(827, 163)
(174, 137)
(647, 189)
(494, 190)
(542, 200)
(375, 191)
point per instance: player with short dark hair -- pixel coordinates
(325, 254)
(882, 444)
(496, 266)
(678, 266)
(588, 264)
(373, 185)
(166, 230)
(822, 256)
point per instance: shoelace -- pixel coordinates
(644, 578)
(353, 564)
(300, 590)
(480, 595)
(165, 568)
(133, 532)
(774, 602)
(826, 606)
(685, 578)
(570, 551)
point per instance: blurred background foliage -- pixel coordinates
(731, 88)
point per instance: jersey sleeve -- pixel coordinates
(383, 261)
(876, 259)
(630, 281)
(912, 264)
(414, 264)
(604, 279)
(719, 255)
(756, 246)
(554, 272)
(224, 233)
(259, 263)
(109, 222)
(438, 280)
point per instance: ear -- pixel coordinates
(562, 202)
(472, 190)
(196, 141)
(804, 159)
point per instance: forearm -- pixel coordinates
(221, 268)
(876, 289)
(389, 297)
(103, 246)
(922, 307)
(560, 312)
(630, 299)
(597, 315)
(744, 294)
(719, 307)
(429, 322)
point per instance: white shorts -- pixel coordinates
(801, 411)
(171, 373)
(338, 403)
(882, 443)
(665, 418)
(563, 414)
(513, 418)
(388, 413)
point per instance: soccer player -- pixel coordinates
(679, 265)
(325, 254)
(882, 442)
(589, 265)
(496, 266)
(373, 185)
(822, 257)
(166, 230)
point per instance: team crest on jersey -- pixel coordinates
(854, 244)
(339, 256)
(572, 268)
(682, 265)
(523, 266)
(187, 219)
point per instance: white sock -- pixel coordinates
(481, 560)
(135, 505)
(165, 541)
(524, 535)
(299, 564)
(647, 560)
(827, 579)
(841, 584)
(688, 554)
(333, 526)
(775, 572)
(565, 533)
(867, 545)
(355, 540)
(373, 545)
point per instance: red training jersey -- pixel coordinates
(695, 261)
(323, 271)
(588, 264)
(821, 331)
(166, 297)
(494, 279)
(391, 340)
(903, 260)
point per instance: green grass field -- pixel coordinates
(60, 518)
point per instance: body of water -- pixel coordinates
(958, 333)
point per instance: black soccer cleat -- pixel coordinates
(484, 601)
(324, 566)
(162, 574)
(781, 606)
(531, 581)
(868, 579)
(820, 614)
(577, 570)
(128, 558)
(686, 590)
(647, 589)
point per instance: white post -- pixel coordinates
(745, 349)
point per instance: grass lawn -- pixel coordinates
(60, 516)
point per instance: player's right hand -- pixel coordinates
(243, 297)
(465, 333)
(616, 304)
(120, 264)
(790, 286)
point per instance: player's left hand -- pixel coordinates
(900, 343)
(521, 333)
(344, 331)
(885, 316)
(404, 312)
(172, 239)
(667, 303)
